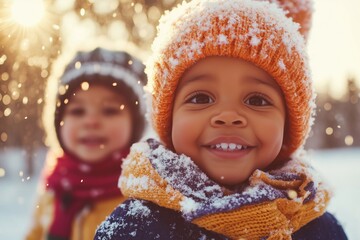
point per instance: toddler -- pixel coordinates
(233, 105)
(97, 114)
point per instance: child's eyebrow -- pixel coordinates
(200, 77)
(271, 84)
(207, 77)
(109, 100)
(112, 99)
(75, 100)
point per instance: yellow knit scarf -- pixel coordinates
(273, 204)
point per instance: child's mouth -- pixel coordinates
(228, 147)
(229, 150)
(93, 141)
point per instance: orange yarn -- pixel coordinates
(148, 184)
(256, 31)
(281, 216)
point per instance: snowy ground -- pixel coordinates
(17, 192)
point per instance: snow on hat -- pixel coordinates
(300, 11)
(255, 31)
(116, 69)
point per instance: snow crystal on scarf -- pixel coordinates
(170, 166)
(137, 183)
(188, 205)
(252, 194)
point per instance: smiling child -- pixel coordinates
(96, 114)
(232, 104)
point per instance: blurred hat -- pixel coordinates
(117, 70)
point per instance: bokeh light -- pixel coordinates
(85, 86)
(2, 172)
(22, 15)
(349, 140)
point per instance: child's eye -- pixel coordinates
(200, 98)
(76, 112)
(111, 111)
(258, 100)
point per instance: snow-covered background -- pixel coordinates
(17, 191)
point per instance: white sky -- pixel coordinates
(334, 44)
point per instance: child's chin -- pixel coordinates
(230, 181)
(92, 158)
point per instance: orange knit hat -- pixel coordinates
(255, 31)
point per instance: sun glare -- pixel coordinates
(28, 12)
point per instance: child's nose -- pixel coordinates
(228, 118)
(92, 121)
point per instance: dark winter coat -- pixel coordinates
(155, 222)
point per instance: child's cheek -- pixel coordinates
(183, 133)
(67, 133)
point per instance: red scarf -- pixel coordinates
(78, 184)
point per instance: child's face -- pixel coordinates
(229, 117)
(97, 122)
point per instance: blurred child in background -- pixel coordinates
(95, 115)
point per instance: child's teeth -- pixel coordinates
(232, 146)
(224, 146)
(228, 146)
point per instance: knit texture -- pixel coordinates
(255, 31)
(272, 204)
